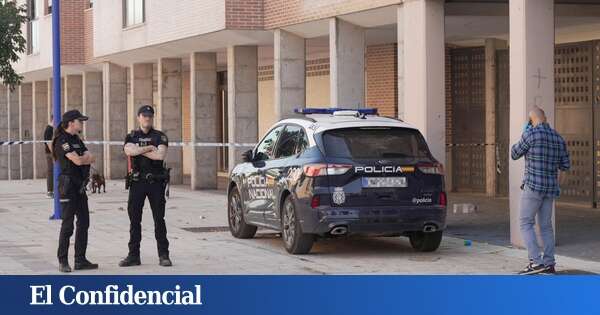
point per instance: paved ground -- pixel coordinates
(201, 245)
(577, 226)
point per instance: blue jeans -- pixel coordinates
(536, 204)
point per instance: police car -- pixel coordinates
(336, 172)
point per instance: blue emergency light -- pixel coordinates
(331, 110)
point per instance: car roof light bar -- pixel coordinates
(332, 110)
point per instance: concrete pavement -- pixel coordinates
(201, 244)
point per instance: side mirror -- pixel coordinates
(248, 156)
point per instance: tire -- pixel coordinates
(294, 240)
(235, 214)
(425, 242)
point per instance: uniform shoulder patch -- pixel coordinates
(163, 138)
(66, 146)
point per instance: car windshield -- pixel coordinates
(375, 143)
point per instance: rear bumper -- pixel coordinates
(372, 220)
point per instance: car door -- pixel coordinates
(258, 194)
(278, 170)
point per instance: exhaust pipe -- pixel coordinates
(339, 230)
(428, 228)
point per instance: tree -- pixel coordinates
(12, 42)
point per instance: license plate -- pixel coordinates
(381, 182)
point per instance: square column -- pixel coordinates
(242, 99)
(289, 73)
(40, 121)
(531, 83)
(169, 114)
(347, 64)
(423, 64)
(26, 129)
(4, 132)
(93, 129)
(205, 119)
(73, 92)
(14, 152)
(114, 100)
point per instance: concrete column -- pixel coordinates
(73, 92)
(347, 64)
(40, 121)
(26, 129)
(141, 87)
(531, 82)
(491, 45)
(92, 107)
(400, 70)
(14, 151)
(289, 73)
(423, 63)
(204, 113)
(242, 99)
(114, 100)
(170, 112)
(4, 132)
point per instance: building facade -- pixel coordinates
(222, 71)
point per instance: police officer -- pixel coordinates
(74, 160)
(147, 147)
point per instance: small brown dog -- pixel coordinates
(97, 181)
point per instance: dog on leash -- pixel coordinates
(97, 182)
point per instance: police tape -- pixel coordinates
(172, 144)
(470, 144)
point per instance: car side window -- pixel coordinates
(288, 142)
(302, 141)
(266, 149)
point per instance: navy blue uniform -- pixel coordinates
(143, 186)
(73, 197)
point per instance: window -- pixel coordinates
(288, 141)
(266, 148)
(33, 36)
(302, 141)
(375, 143)
(133, 12)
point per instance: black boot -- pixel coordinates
(85, 264)
(64, 267)
(164, 261)
(130, 261)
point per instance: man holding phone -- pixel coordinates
(546, 154)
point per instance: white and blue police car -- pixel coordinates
(335, 172)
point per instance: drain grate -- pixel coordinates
(207, 229)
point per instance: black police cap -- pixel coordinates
(72, 115)
(146, 109)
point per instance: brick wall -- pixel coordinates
(278, 13)
(244, 14)
(88, 35)
(382, 79)
(71, 31)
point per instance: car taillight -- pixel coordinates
(313, 170)
(315, 201)
(431, 168)
(443, 201)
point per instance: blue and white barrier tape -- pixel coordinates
(173, 144)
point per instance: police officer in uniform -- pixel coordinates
(147, 147)
(74, 160)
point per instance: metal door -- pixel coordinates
(468, 119)
(573, 69)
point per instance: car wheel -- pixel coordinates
(294, 240)
(237, 224)
(425, 242)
